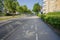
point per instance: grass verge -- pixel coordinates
(10, 17)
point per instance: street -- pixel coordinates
(33, 29)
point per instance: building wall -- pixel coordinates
(57, 5)
(45, 6)
(51, 5)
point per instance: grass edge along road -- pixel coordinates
(10, 17)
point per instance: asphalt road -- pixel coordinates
(33, 29)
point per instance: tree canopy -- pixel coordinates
(25, 8)
(10, 5)
(37, 7)
(19, 9)
(1, 5)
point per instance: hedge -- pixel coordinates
(53, 18)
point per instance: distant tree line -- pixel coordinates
(12, 6)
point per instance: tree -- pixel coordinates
(37, 8)
(24, 8)
(14, 5)
(1, 5)
(10, 5)
(19, 9)
(29, 11)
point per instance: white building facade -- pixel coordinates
(50, 6)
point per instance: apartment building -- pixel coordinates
(58, 5)
(51, 6)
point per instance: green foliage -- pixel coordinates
(2, 14)
(52, 18)
(29, 11)
(53, 13)
(19, 9)
(38, 14)
(1, 5)
(10, 5)
(37, 7)
(25, 8)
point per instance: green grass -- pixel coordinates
(52, 18)
(5, 17)
(9, 17)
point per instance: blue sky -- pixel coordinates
(29, 3)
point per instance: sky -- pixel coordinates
(29, 3)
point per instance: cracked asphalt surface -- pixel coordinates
(33, 29)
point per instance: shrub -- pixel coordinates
(43, 16)
(39, 14)
(8, 14)
(2, 14)
(52, 18)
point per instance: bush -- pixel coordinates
(39, 14)
(2, 14)
(43, 16)
(52, 18)
(7, 14)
